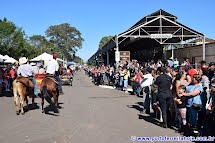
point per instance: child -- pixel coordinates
(181, 108)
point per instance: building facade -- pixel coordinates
(195, 53)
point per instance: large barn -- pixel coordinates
(147, 39)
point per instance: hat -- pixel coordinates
(55, 56)
(23, 60)
(202, 62)
(33, 64)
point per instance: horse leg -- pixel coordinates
(16, 102)
(57, 96)
(26, 100)
(42, 102)
(55, 101)
(55, 106)
(33, 103)
(22, 98)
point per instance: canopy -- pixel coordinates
(10, 60)
(3, 57)
(1, 60)
(43, 57)
(7, 59)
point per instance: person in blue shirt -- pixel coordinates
(193, 90)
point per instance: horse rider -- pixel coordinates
(26, 70)
(52, 69)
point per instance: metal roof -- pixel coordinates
(159, 22)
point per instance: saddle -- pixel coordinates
(25, 81)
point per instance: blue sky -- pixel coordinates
(98, 18)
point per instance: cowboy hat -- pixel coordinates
(23, 60)
(33, 64)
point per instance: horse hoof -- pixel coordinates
(43, 111)
(17, 113)
(22, 113)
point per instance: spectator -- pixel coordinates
(192, 71)
(163, 83)
(211, 70)
(203, 64)
(146, 85)
(42, 70)
(209, 122)
(205, 81)
(194, 103)
(12, 74)
(7, 79)
(181, 108)
(126, 76)
(1, 79)
(35, 67)
(175, 63)
(170, 62)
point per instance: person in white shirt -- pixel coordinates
(52, 69)
(146, 85)
(35, 67)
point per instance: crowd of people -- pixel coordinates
(8, 73)
(183, 94)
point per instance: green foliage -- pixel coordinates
(11, 38)
(104, 40)
(77, 59)
(62, 39)
(67, 38)
(91, 62)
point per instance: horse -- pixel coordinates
(49, 89)
(22, 87)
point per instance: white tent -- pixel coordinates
(43, 57)
(7, 59)
(10, 60)
(3, 57)
(1, 60)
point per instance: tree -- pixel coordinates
(11, 39)
(38, 41)
(77, 59)
(67, 38)
(104, 40)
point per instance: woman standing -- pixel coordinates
(193, 93)
(164, 83)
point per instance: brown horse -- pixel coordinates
(49, 89)
(22, 87)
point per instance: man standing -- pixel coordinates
(52, 68)
(146, 85)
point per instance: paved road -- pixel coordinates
(89, 114)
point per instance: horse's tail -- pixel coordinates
(46, 95)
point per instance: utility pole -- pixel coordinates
(117, 54)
